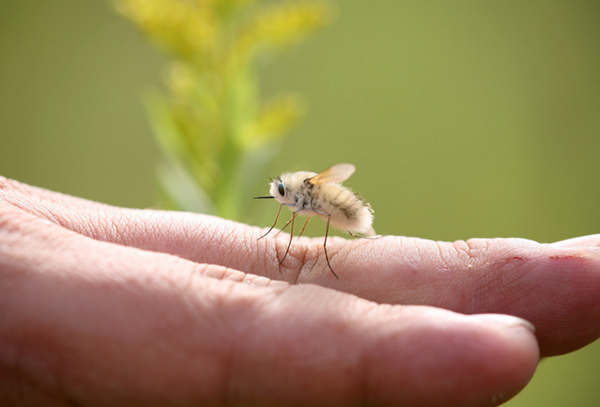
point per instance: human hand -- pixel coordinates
(109, 306)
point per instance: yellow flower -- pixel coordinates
(213, 128)
(187, 29)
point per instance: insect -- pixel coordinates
(309, 194)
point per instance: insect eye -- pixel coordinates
(281, 190)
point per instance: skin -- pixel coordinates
(104, 306)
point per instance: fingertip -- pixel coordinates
(590, 240)
(457, 360)
(513, 352)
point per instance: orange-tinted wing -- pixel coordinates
(336, 173)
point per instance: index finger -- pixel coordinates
(556, 287)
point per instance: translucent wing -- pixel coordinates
(337, 173)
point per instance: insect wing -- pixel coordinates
(336, 173)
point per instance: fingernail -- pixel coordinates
(508, 320)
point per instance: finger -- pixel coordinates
(112, 325)
(557, 289)
(42, 202)
(554, 287)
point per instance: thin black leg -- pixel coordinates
(275, 223)
(291, 237)
(325, 246)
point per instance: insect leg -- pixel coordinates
(365, 237)
(283, 228)
(304, 227)
(325, 246)
(291, 237)
(275, 223)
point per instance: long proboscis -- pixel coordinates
(264, 197)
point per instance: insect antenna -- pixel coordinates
(325, 247)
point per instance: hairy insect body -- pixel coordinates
(308, 194)
(344, 209)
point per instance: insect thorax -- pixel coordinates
(306, 197)
(327, 199)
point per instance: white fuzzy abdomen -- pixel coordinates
(347, 211)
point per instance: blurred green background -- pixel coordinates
(464, 119)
